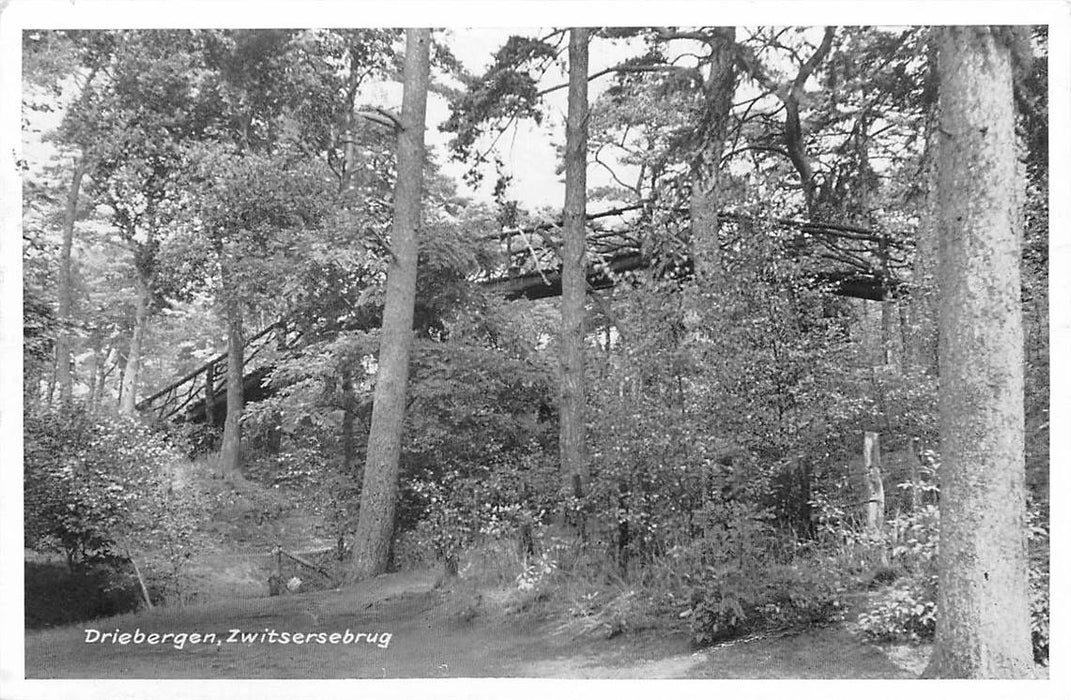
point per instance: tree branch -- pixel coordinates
(790, 96)
(382, 117)
(622, 69)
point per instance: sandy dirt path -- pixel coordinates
(428, 639)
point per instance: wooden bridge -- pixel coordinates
(858, 263)
(201, 395)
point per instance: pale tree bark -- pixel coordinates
(375, 525)
(132, 370)
(109, 362)
(983, 615)
(64, 379)
(574, 288)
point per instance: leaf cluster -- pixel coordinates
(507, 91)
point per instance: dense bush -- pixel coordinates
(906, 611)
(461, 506)
(730, 602)
(101, 487)
(55, 595)
(741, 580)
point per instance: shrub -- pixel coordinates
(734, 601)
(905, 612)
(606, 612)
(55, 595)
(100, 487)
(461, 505)
(533, 584)
(915, 539)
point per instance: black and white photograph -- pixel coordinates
(472, 346)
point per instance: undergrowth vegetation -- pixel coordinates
(126, 510)
(101, 488)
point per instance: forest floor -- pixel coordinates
(433, 634)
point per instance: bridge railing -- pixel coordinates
(209, 380)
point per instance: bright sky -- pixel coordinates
(527, 150)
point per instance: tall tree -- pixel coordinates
(983, 613)
(246, 212)
(130, 131)
(248, 81)
(709, 143)
(375, 525)
(64, 379)
(574, 292)
(50, 58)
(279, 94)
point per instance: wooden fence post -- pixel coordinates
(875, 504)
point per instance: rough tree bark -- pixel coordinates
(375, 525)
(983, 615)
(574, 291)
(718, 91)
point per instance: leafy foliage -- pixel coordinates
(907, 610)
(101, 488)
(734, 602)
(506, 92)
(724, 418)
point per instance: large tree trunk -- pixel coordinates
(132, 370)
(230, 457)
(710, 138)
(65, 283)
(375, 525)
(574, 286)
(983, 615)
